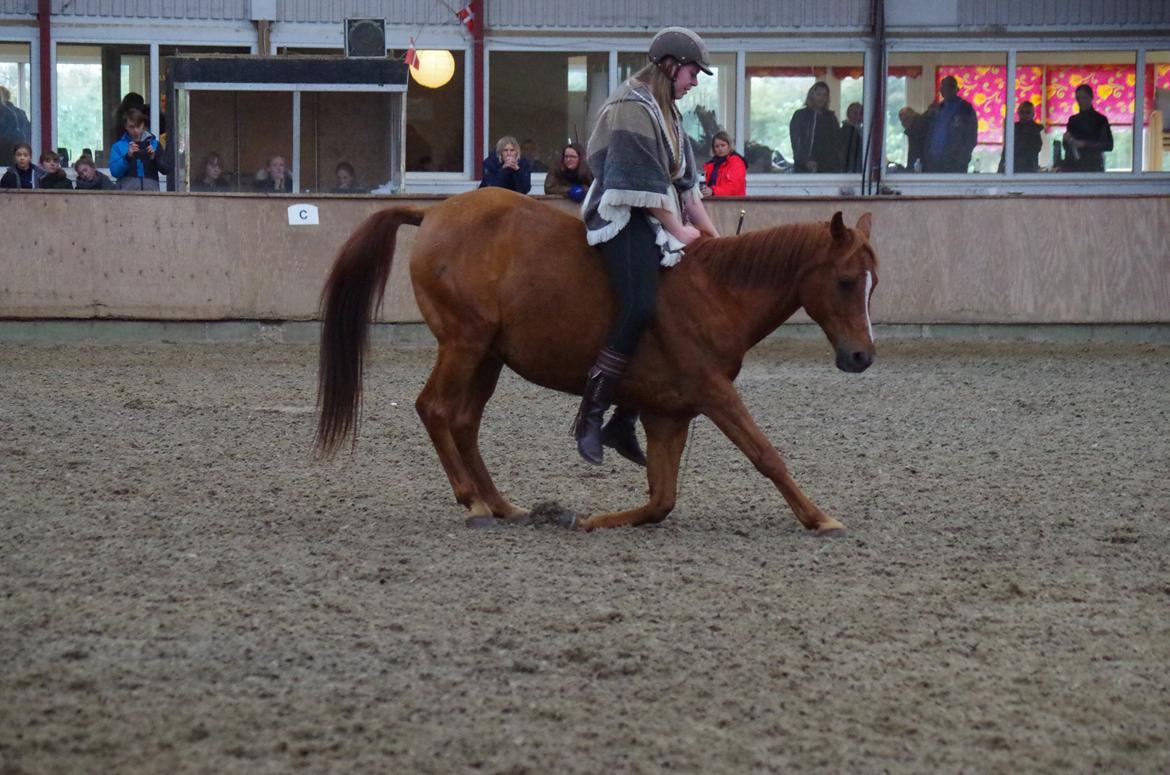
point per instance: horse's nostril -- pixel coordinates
(862, 358)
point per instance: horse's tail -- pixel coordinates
(351, 297)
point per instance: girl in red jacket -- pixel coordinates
(726, 173)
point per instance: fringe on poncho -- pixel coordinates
(630, 155)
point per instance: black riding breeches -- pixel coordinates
(631, 260)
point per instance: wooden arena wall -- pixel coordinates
(235, 257)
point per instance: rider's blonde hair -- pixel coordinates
(662, 89)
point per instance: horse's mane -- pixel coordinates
(761, 257)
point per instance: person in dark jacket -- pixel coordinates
(1088, 136)
(137, 159)
(571, 177)
(952, 131)
(14, 126)
(914, 127)
(851, 143)
(815, 133)
(88, 177)
(52, 176)
(1028, 141)
(345, 178)
(506, 168)
(22, 173)
(212, 179)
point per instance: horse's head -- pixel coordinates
(836, 289)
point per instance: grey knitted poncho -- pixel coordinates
(631, 158)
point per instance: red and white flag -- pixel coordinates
(466, 15)
(412, 56)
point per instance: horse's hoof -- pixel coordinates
(478, 522)
(837, 531)
(567, 520)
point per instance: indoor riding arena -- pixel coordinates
(184, 587)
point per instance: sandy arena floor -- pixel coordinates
(183, 589)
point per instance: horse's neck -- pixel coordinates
(758, 272)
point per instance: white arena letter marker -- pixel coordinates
(303, 215)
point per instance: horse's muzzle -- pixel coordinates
(853, 361)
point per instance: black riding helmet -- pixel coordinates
(683, 45)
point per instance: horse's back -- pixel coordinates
(494, 263)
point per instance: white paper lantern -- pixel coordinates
(435, 68)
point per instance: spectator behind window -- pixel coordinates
(52, 176)
(136, 159)
(89, 178)
(506, 168)
(952, 130)
(14, 126)
(815, 133)
(851, 138)
(212, 179)
(1029, 141)
(22, 173)
(914, 127)
(571, 177)
(274, 178)
(1089, 136)
(345, 180)
(726, 173)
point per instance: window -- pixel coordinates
(16, 122)
(434, 122)
(91, 82)
(242, 132)
(798, 112)
(352, 129)
(1108, 79)
(545, 99)
(961, 134)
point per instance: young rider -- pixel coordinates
(643, 207)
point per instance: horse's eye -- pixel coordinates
(846, 284)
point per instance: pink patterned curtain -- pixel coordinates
(1052, 89)
(1113, 91)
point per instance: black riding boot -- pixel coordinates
(604, 377)
(620, 436)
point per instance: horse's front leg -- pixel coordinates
(730, 415)
(666, 437)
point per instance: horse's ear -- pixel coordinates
(838, 228)
(865, 223)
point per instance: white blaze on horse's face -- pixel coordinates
(868, 292)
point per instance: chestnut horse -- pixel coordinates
(503, 279)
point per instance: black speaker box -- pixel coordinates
(365, 37)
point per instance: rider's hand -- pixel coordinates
(688, 234)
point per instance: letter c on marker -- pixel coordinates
(304, 215)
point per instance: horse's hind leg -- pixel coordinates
(439, 405)
(451, 406)
(465, 430)
(666, 438)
